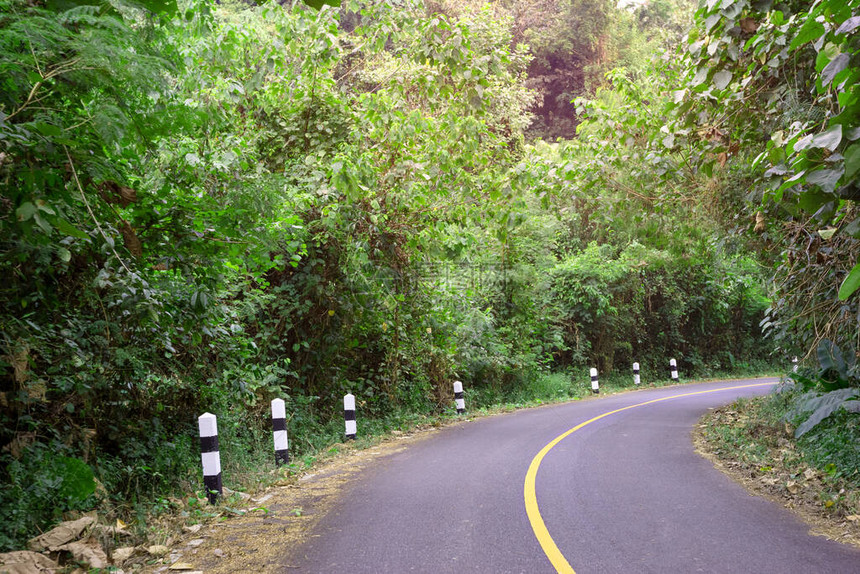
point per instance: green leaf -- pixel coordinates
(822, 406)
(827, 234)
(26, 211)
(700, 77)
(811, 200)
(320, 3)
(722, 79)
(835, 66)
(826, 179)
(830, 357)
(853, 229)
(43, 223)
(849, 25)
(850, 283)
(48, 129)
(852, 161)
(777, 17)
(810, 30)
(68, 229)
(828, 139)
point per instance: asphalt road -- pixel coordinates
(625, 493)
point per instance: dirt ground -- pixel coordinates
(265, 533)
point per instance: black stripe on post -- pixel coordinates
(349, 415)
(209, 444)
(213, 487)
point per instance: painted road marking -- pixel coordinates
(559, 562)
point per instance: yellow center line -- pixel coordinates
(559, 562)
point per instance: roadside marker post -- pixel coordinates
(459, 398)
(349, 416)
(794, 365)
(636, 374)
(673, 366)
(210, 456)
(279, 432)
(595, 386)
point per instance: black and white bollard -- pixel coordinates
(210, 456)
(636, 373)
(459, 399)
(673, 366)
(595, 386)
(349, 416)
(279, 432)
(794, 363)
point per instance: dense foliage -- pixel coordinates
(205, 210)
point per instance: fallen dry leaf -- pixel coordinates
(91, 555)
(158, 550)
(24, 562)
(61, 534)
(120, 555)
(181, 566)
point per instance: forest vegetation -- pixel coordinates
(209, 205)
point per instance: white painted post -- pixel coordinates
(459, 399)
(210, 456)
(673, 366)
(349, 415)
(794, 362)
(279, 432)
(595, 386)
(635, 373)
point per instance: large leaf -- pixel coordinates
(828, 139)
(852, 161)
(822, 406)
(722, 79)
(849, 25)
(850, 284)
(835, 66)
(830, 357)
(826, 179)
(810, 31)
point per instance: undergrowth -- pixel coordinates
(820, 470)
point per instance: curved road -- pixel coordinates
(623, 493)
